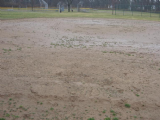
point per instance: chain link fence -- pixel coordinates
(29, 9)
(116, 9)
(125, 10)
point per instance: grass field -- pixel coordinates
(91, 14)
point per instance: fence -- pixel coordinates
(127, 10)
(119, 9)
(36, 9)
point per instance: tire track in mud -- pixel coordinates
(9, 95)
(73, 93)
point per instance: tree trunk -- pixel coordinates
(32, 5)
(69, 6)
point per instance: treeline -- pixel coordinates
(144, 5)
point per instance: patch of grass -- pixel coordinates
(135, 116)
(9, 103)
(104, 111)
(52, 44)
(104, 51)
(115, 118)
(137, 95)
(129, 54)
(127, 105)
(19, 48)
(21, 107)
(104, 44)
(51, 108)
(113, 112)
(2, 119)
(7, 50)
(90, 119)
(107, 118)
(15, 116)
(27, 14)
(7, 115)
(112, 52)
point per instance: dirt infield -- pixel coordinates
(76, 69)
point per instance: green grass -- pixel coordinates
(7, 50)
(90, 119)
(19, 48)
(112, 111)
(100, 14)
(135, 116)
(127, 105)
(104, 51)
(2, 119)
(104, 111)
(107, 118)
(7, 115)
(115, 118)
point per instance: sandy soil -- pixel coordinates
(75, 69)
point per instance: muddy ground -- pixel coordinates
(76, 69)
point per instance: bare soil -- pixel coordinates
(75, 69)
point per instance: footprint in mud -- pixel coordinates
(120, 90)
(59, 74)
(26, 116)
(73, 98)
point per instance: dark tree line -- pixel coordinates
(98, 4)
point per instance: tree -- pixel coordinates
(1, 3)
(69, 2)
(32, 4)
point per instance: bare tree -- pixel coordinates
(69, 2)
(32, 4)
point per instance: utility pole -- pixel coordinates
(69, 2)
(19, 4)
